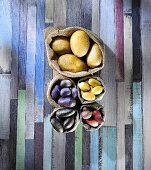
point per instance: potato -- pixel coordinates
(86, 114)
(61, 45)
(93, 82)
(68, 123)
(57, 124)
(91, 122)
(74, 92)
(65, 92)
(65, 83)
(63, 113)
(79, 43)
(94, 57)
(97, 116)
(55, 93)
(84, 86)
(88, 96)
(67, 102)
(69, 62)
(97, 90)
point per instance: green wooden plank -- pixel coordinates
(20, 150)
(78, 148)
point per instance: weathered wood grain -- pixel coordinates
(119, 40)
(22, 44)
(128, 67)
(128, 147)
(146, 84)
(20, 148)
(4, 155)
(108, 147)
(38, 145)
(13, 133)
(107, 34)
(49, 11)
(5, 36)
(137, 127)
(127, 7)
(15, 44)
(120, 159)
(136, 35)
(4, 106)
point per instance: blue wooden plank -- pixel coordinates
(94, 150)
(137, 126)
(39, 83)
(108, 144)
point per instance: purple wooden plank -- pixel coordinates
(119, 40)
(38, 146)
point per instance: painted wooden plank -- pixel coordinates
(137, 127)
(136, 35)
(15, 44)
(4, 155)
(70, 151)
(22, 44)
(120, 160)
(107, 34)
(128, 67)
(60, 13)
(119, 40)
(29, 154)
(4, 106)
(5, 36)
(78, 147)
(146, 84)
(127, 7)
(94, 135)
(49, 11)
(38, 145)
(108, 147)
(20, 148)
(128, 147)
(13, 133)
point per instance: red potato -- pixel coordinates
(86, 114)
(97, 116)
(91, 122)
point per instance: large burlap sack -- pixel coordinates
(52, 32)
(98, 97)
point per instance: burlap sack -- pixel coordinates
(98, 97)
(77, 119)
(51, 85)
(97, 107)
(52, 32)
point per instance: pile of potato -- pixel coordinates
(77, 53)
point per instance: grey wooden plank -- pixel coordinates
(120, 161)
(107, 34)
(4, 106)
(49, 11)
(13, 133)
(128, 147)
(5, 36)
(4, 155)
(128, 68)
(15, 44)
(146, 83)
(127, 7)
(22, 44)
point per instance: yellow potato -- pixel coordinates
(69, 62)
(84, 86)
(79, 43)
(93, 82)
(61, 45)
(94, 57)
(97, 90)
(88, 96)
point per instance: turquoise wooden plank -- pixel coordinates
(94, 150)
(108, 144)
(39, 83)
(137, 127)
(5, 36)
(20, 148)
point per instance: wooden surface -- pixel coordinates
(27, 139)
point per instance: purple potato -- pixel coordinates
(65, 92)
(67, 102)
(55, 93)
(74, 92)
(65, 83)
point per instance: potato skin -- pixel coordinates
(61, 45)
(94, 57)
(69, 62)
(79, 43)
